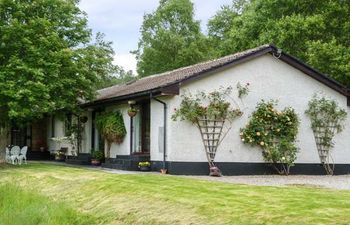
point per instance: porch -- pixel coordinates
(34, 136)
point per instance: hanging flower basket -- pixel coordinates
(132, 112)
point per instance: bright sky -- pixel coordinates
(120, 21)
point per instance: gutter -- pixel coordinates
(165, 109)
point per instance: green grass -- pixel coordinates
(51, 194)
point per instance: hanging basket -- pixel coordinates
(132, 113)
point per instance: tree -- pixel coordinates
(120, 77)
(47, 60)
(170, 38)
(317, 32)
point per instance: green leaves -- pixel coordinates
(111, 125)
(275, 133)
(316, 32)
(327, 118)
(47, 60)
(170, 38)
(214, 105)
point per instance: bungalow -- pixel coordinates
(177, 145)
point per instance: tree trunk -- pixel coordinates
(108, 153)
(4, 141)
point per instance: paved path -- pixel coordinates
(334, 182)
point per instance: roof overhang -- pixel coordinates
(170, 90)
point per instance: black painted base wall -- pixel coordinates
(126, 162)
(38, 155)
(233, 168)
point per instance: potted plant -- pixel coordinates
(144, 166)
(96, 157)
(60, 155)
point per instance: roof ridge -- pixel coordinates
(204, 62)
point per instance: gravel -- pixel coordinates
(341, 182)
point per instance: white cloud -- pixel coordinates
(127, 61)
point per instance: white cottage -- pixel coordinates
(152, 134)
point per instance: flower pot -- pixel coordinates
(132, 113)
(144, 168)
(215, 172)
(163, 171)
(95, 162)
(60, 158)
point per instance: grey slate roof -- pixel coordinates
(170, 77)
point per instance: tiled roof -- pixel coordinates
(170, 77)
(159, 82)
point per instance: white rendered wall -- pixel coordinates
(157, 124)
(59, 133)
(270, 78)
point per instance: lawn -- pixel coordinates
(53, 194)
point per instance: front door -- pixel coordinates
(141, 129)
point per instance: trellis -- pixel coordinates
(212, 113)
(327, 118)
(323, 137)
(212, 134)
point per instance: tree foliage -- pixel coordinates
(170, 38)
(317, 32)
(47, 59)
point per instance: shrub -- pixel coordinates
(213, 105)
(275, 133)
(327, 118)
(97, 154)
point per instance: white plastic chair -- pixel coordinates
(23, 155)
(8, 155)
(14, 154)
